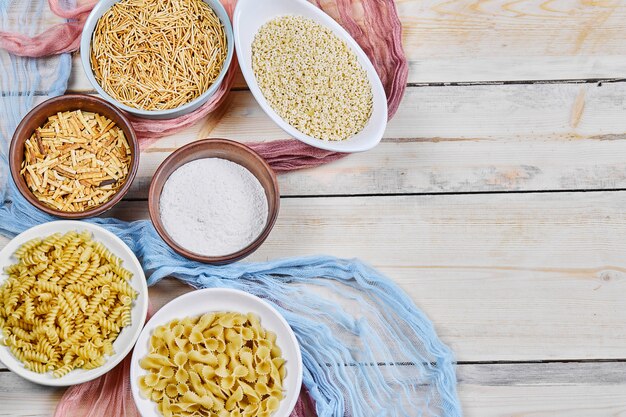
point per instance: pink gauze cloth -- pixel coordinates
(111, 396)
(374, 24)
(60, 38)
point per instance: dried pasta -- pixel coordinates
(217, 364)
(158, 55)
(64, 303)
(76, 161)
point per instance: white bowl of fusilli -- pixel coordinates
(73, 301)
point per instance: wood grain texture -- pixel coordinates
(498, 313)
(485, 390)
(504, 277)
(543, 389)
(474, 40)
(575, 400)
(502, 40)
(543, 374)
(528, 112)
(452, 139)
(21, 398)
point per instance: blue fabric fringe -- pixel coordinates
(367, 349)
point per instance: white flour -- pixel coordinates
(213, 207)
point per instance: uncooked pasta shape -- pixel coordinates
(217, 364)
(64, 303)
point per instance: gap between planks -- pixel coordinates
(504, 277)
(597, 81)
(78, 82)
(522, 138)
(461, 41)
(287, 197)
(525, 373)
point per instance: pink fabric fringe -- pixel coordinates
(289, 154)
(111, 395)
(106, 396)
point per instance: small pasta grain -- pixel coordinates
(311, 78)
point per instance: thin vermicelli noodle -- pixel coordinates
(158, 54)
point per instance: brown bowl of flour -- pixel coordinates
(214, 201)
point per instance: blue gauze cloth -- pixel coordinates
(367, 349)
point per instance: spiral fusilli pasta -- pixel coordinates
(64, 303)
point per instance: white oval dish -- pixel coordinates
(198, 302)
(85, 54)
(127, 337)
(250, 16)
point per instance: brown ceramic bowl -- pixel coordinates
(39, 115)
(224, 149)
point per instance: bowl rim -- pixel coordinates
(343, 146)
(20, 132)
(154, 202)
(119, 355)
(205, 293)
(85, 54)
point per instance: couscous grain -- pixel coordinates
(311, 78)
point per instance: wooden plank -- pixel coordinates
(466, 41)
(485, 390)
(545, 374)
(577, 400)
(78, 82)
(453, 139)
(439, 114)
(21, 398)
(503, 277)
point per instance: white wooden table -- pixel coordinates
(497, 200)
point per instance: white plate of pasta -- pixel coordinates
(216, 352)
(73, 301)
